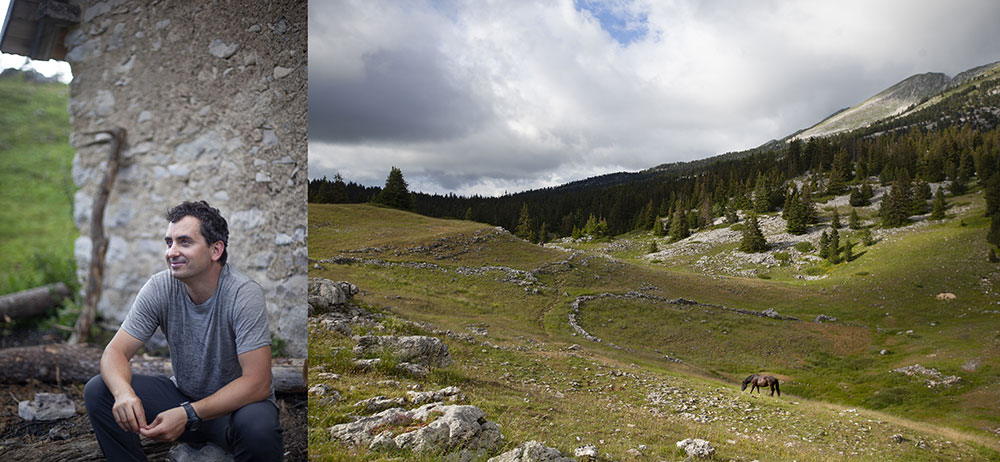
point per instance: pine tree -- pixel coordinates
(835, 219)
(705, 215)
(753, 239)
(856, 200)
(992, 195)
(590, 228)
(525, 226)
(658, 227)
(808, 207)
(795, 216)
(854, 222)
(577, 233)
(338, 191)
(395, 194)
(848, 251)
(824, 245)
(938, 212)
(895, 207)
(833, 254)
(731, 216)
(543, 234)
(652, 247)
(866, 193)
(468, 214)
(994, 235)
(959, 185)
(678, 226)
(762, 195)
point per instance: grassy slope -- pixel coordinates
(36, 199)
(540, 390)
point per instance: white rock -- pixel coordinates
(208, 453)
(220, 49)
(696, 447)
(47, 406)
(532, 451)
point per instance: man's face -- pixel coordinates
(188, 254)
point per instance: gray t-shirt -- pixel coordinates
(205, 340)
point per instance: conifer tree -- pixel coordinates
(848, 251)
(835, 219)
(866, 193)
(762, 195)
(705, 215)
(395, 194)
(652, 247)
(824, 245)
(338, 191)
(992, 195)
(795, 216)
(753, 239)
(468, 214)
(678, 226)
(577, 233)
(833, 254)
(731, 216)
(938, 212)
(959, 185)
(658, 227)
(855, 199)
(543, 234)
(808, 207)
(854, 221)
(525, 225)
(895, 207)
(993, 237)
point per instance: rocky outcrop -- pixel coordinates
(453, 394)
(935, 378)
(419, 349)
(451, 428)
(532, 451)
(588, 452)
(696, 448)
(326, 295)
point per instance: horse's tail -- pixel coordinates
(777, 386)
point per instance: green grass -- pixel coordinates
(36, 200)
(537, 389)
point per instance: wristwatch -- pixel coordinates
(193, 419)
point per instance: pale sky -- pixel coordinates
(46, 68)
(482, 97)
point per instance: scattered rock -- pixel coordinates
(883, 352)
(825, 318)
(379, 403)
(453, 394)
(696, 447)
(897, 438)
(588, 452)
(451, 428)
(429, 351)
(532, 451)
(936, 378)
(946, 296)
(47, 406)
(207, 453)
(59, 433)
(220, 49)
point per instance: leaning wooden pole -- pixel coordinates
(99, 247)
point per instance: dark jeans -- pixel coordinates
(251, 433)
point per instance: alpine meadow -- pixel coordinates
(615, 318)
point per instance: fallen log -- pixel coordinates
(58, 363)
(32, 302)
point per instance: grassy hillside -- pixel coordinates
(665, 371)
(36, 199)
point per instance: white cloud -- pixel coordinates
(481, 97)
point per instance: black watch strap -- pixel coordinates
(193, 419)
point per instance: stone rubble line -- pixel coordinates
(574, 313)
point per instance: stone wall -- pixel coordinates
(212, 95)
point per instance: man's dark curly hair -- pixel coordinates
(213, 226)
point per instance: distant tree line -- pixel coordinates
(675, 202)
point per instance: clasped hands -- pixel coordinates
(167, 426)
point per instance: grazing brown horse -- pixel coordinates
(757, 380)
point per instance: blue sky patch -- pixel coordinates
(624, 24)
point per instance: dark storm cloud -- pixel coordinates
(403, 95)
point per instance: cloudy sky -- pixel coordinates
(483, 97)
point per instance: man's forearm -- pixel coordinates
(116, 372)
(234, 395)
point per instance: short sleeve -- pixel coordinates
(144, 316)
(250, 319)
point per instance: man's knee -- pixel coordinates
(257, 426)
(95, 391)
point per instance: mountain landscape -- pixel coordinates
(616, 318)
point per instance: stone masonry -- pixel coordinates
(212, 95)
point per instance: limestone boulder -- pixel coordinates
(532, 451)
(207, 453)
(325, 295)
(454, 427)
(453, 394)
(428, 351)
(697, 448)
